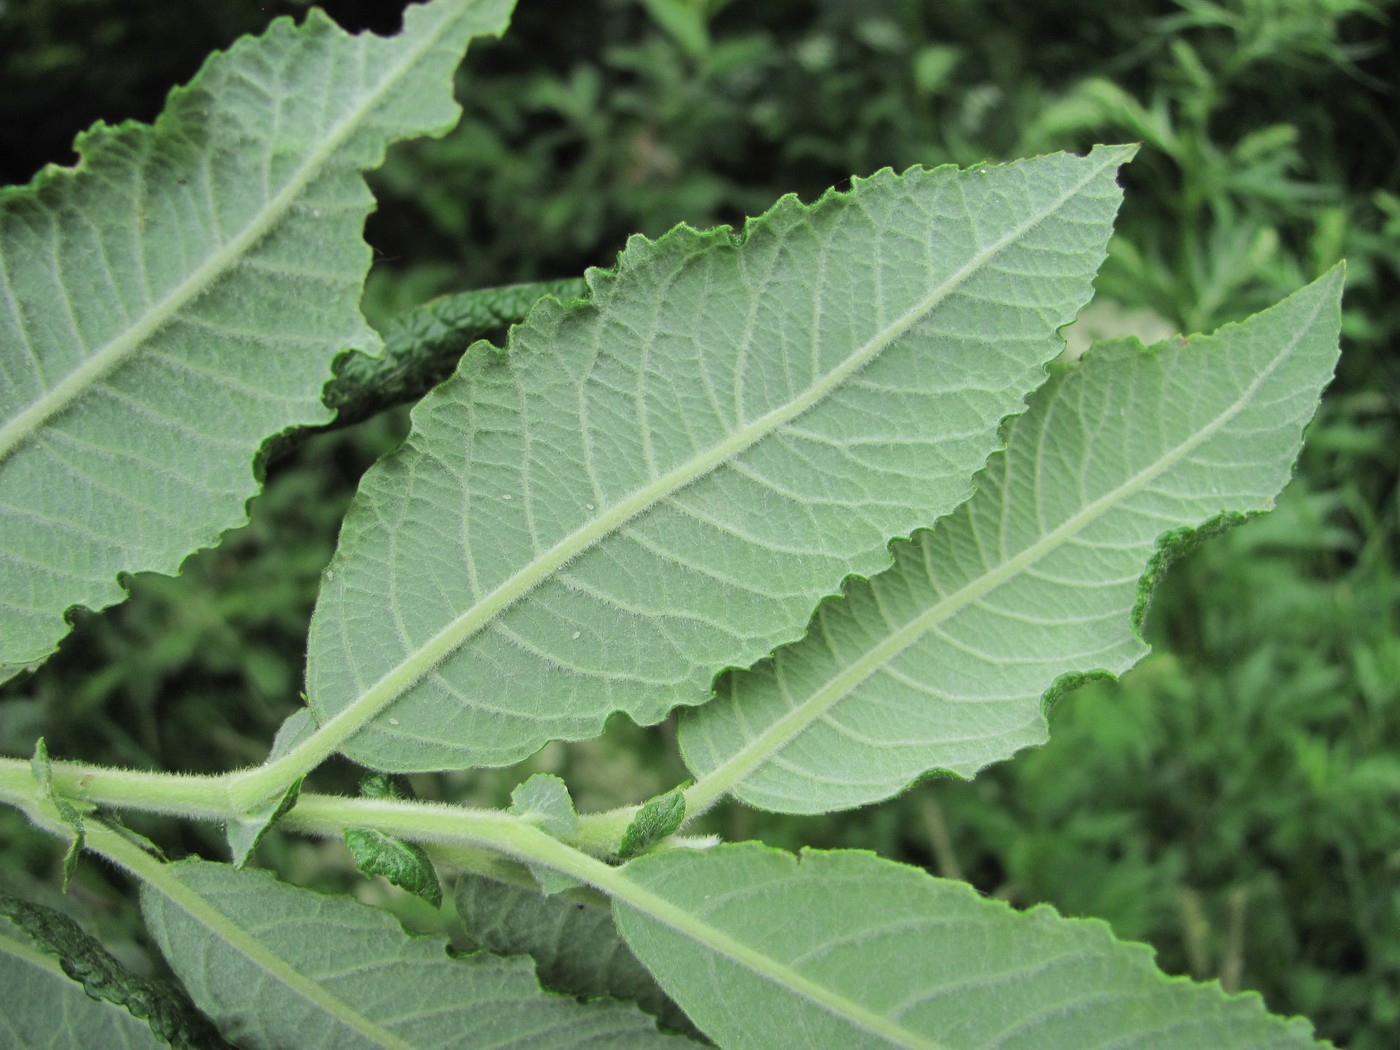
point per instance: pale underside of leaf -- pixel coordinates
(42, 1009)
(663, 482)
(245, 832)
(941, 662)
(847, 950)
(178, 298)
(161, 1006)
(574, 944)
(278, 966)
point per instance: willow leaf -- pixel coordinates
(664, 480)
(844, 949)
(941, 663)
(177, 298)
(41, 1008)
(60, 988)
(279, 966)
(571, 937)
(405, 864)
(544, 800)
(245, 832)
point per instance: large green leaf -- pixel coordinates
(941, 663)
(847, 950)
(42, 1008)
(663, 481)
(178, 297)
(278, 966)
(571, 937)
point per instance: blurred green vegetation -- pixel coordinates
(1235, 801)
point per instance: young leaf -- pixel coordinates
(405, 864)
(247, 831)
(664, 480)
(844, 949)
(108, 1006)
(544, 800)
(402, 863)
(942, 662)
(659, 817)
(42, 768)
(571, 938)
(278, 966)
(178, 296)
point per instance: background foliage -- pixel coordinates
(1235, 801)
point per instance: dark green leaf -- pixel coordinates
(170, 1015)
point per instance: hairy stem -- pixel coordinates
(499, 832)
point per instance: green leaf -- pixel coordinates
(941, 663)
(178, 297)
(60, 988)
(572, 939)
(278, 966)
(422, 347)
(844, 949)
(544, 800)
(684, 22)
(659, 817)
(664, 480)
(405, 864)
(43, 773)
(41, 1009)
(247, 831)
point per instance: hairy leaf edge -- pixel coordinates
(600, 284)
(96, 137)
(1172, 544)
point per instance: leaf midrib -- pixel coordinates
(730, 773)
(418, 663)
(198, 908)
(530, 844)
(765, 966)
(108, 357)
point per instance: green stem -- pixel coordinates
(160, 877)
(200, 798)
(326, 816)
(497, 831)
(227, 797)
(601, 832)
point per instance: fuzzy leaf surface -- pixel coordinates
(42, 1009)
(658, 817)
(571, 937)
(663, 481)
(277, 966)
(245, 832)
(941, 663)
(178, 297)
(544, 799)
(844, 949)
